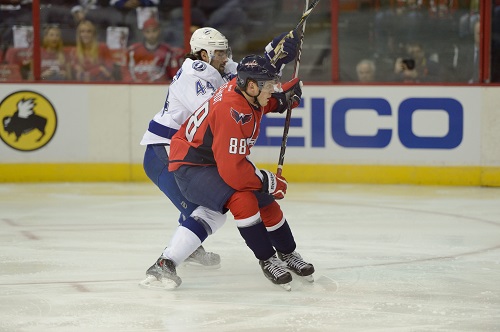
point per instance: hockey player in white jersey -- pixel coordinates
(204, 70)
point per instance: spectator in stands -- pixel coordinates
(96, 11)
(90, 60)
(22, 56)
(13, 12)
(231, 18)
(129, 11)
(395, 26)
(133, 4)
(152, 60)
(472, 69)
(68, 14)
(173, 29)
(468, 19)
(365, 71)
(416, 66)
(467, 67)
(54, 65)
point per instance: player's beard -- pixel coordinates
(220, 68)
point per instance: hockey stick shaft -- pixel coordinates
(306, 14)
(302, 24)
(307, 11)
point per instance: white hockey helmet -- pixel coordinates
(208, 39)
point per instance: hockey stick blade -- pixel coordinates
(278, 50)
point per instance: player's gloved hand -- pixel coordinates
(282, 49)
(290, 97)
(273, 184)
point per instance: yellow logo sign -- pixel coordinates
(29, 121)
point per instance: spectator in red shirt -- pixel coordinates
(152, 60)
(54, 64)
(91, 60)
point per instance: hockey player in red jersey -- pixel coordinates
(152, 60)
(209, 156)
(203, 71)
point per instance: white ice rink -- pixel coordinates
(387, 258)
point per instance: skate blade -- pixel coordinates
(309, 278)
(287, 287)
(200, 266)
(152, 283)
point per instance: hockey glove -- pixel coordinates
(290, 97)
(273, 184)
(282, 49)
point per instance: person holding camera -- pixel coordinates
(416, 67)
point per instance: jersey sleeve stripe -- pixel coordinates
(161, 130)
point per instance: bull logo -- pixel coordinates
(28, 121)
(24, 120)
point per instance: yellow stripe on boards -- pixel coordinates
(64, 172)
(375, 174)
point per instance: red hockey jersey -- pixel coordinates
(159, 64)
(221, 132)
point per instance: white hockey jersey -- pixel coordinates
(193, 84)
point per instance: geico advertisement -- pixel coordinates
(378, 125)
(333, 125)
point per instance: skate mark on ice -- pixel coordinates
(437, 258)
(320, 284)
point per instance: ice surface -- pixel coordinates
(388, 258)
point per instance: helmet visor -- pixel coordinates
(221, 55)
(270, 86)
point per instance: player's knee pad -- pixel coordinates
(272, 216)
(243, 204)
(212, 218)
(244, 207)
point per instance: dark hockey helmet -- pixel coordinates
(256, 68)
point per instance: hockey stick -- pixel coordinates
(279, 48)
(302, 24)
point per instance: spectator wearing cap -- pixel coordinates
(129, 14)
(152, 60)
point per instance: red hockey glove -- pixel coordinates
(290, 97)
(273, 184)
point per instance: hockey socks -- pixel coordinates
(198, 227)
(186, 239)
(257, 240)
(282, 239)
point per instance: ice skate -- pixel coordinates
(207, 259)
(297, 265)
(161, 274)
(274, 270)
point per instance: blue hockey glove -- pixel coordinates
(282, 49)
(290, 97)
